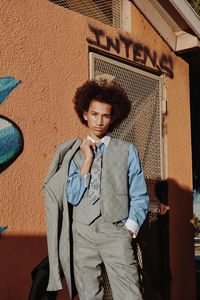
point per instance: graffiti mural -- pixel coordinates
(7, 84)
(137, 52)
(11, 141)
(11, 138)
(2, 228)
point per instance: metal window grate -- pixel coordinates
(106, 11)
(143, 128)
(143, 125)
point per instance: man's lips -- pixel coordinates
(98, 129)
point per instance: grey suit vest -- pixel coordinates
(113, 204)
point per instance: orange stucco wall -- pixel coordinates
(45, 46)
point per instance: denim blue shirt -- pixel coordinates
(139, 200)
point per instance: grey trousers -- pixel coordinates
(111, 244)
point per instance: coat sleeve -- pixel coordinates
(52, 209)
(52, 223)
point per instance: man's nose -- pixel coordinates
(100, 120)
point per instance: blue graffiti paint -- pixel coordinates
(7, 84)
(11, 141)
(11, 138)
(2, 228)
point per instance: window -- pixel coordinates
(106, 11)
(143, 126)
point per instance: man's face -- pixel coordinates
(99, 118)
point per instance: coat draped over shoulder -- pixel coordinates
(58, 216)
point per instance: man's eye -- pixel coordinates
(94, 114)
(108, 116)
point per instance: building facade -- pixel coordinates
(47, 51)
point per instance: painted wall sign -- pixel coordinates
(137, 52)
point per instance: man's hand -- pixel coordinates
(163, 209)
(131, 233)
(87, 148)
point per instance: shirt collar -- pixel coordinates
(105, 139)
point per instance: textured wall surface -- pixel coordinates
(46, 47)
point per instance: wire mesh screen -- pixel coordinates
(106, 11)
(142, 127)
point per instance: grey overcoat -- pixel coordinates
(57, 215)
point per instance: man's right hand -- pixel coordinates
(87, 148)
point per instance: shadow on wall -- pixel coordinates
(167, 242)
(20, 257)
(152, 248)
(181, 234)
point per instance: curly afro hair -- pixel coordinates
(106, 92)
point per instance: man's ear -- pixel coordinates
(85, 115)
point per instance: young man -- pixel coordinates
(106, 187)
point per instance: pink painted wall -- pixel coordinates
(45, 46)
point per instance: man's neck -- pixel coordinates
(95, 138)
(105, 139)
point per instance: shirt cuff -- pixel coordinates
(86, 180)
(132, 226)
